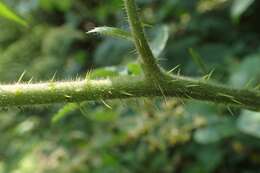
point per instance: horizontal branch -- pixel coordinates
(125, 87)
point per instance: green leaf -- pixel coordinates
(198, 60)
(64, 111)
(50, 5)
(239, 7)
(7, 13)
(246, 74)
(159, 43)
(112, 32)
(134, 68)
(111, 52)
(214, 133)
(104, 115)
(249, 123)
(104, 72)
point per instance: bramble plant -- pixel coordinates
(155, 81)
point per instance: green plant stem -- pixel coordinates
(159, 83)
(124, 87)
(149, 64)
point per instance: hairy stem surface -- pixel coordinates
(124, 87)
(156, 83)
(149, 64)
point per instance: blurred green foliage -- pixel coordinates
(7, 13)
(144, 135)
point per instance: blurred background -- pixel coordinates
(137, 135)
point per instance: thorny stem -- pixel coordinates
(124, 87)
(149, 64)
(129, 86)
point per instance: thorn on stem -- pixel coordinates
(21, 77)
(106, 104)
(53, 77)
(174, 68)
(208, 76)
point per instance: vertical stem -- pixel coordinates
(149, 64)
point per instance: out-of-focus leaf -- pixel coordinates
(214, 54)
(198, 60)
(17, 61)
(49, 5)
(58, 40)
(104, 72)
(112, 32)
(159, 43)
(104, 115)
(134, 68)
(247, 73)
(7, 13)
(178, 49)
(214, 133)
(205, 110)
(208, 158)
(111, 52)
(239, 7)
(26, 126)
(249, 123)
(64, 111)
